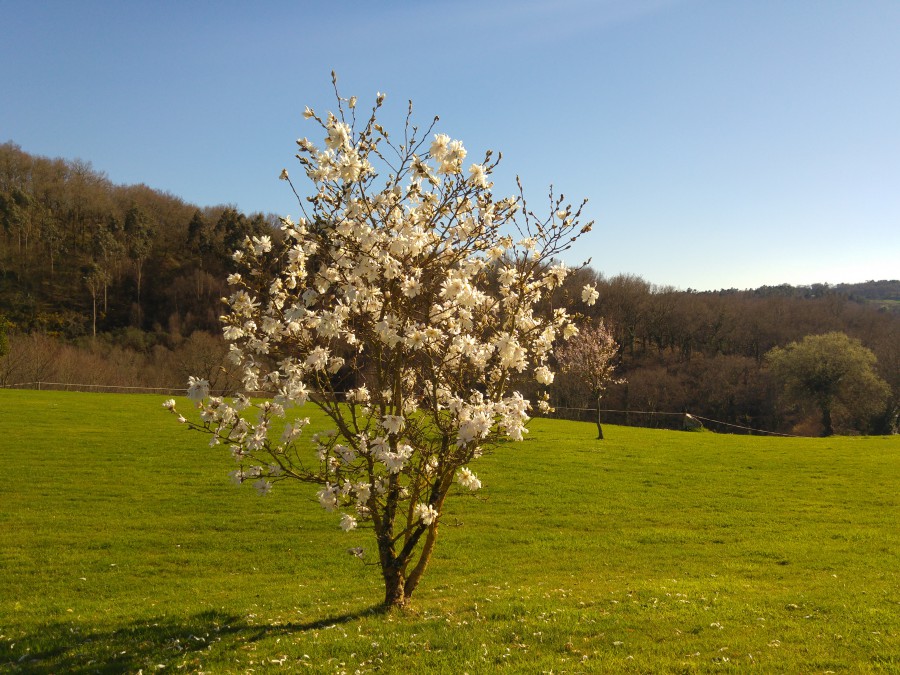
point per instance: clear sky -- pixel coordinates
(722, 143)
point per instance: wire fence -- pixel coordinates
(651, 418)
(106, 388)
(659, 419)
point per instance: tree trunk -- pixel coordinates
(394, 587)
(139, 265)
(398, 585)
(392, 567)
(599, 427)
(413, 580)
(828, 427)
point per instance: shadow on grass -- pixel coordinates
(146, 645)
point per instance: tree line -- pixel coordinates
(81, 256)
(105, 273)
(705, 352)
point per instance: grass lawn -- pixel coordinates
(124, 547)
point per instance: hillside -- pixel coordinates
(127, 281)
(81, 256)
(884, 294)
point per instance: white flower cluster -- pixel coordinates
(198, 389)
(403, 309)
(426, 513)
(468, 479)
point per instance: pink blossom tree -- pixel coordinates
(408, 280)
(590, 356)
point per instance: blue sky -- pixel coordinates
(721, 143)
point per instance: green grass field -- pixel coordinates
(124, 547)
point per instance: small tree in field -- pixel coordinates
(833, 372)
(410, 286)
(589, 356)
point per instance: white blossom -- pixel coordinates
(393, 423)
(338, 135)
(363, 493)
(478, 176)
(467, 479)
(395, 461)
(198, 389)
(426, 513)
(328, 498)
(317, 358)
(261, 244)
(543, 375)
(233, 332)
(359, 395)
(439, 145)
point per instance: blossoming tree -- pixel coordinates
(589, 356)
(403, 303)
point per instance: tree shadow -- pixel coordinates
(61, 647)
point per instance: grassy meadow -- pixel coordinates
(124, 547)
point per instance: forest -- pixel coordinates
(104, 284)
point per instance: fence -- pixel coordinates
(107, 388)
(650, 418)
(657, 420)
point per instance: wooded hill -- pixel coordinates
(130, 278)
(705, 352)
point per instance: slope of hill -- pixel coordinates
(130, 274)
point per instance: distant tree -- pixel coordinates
(106, 251)
(200, 237)
(590, 357)
(4, 338)
(831, 371)
(17, 217)
(53, 236)
(96, 278)
(139, 241)
(623, 301)
(233, 228)
(206, 356)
